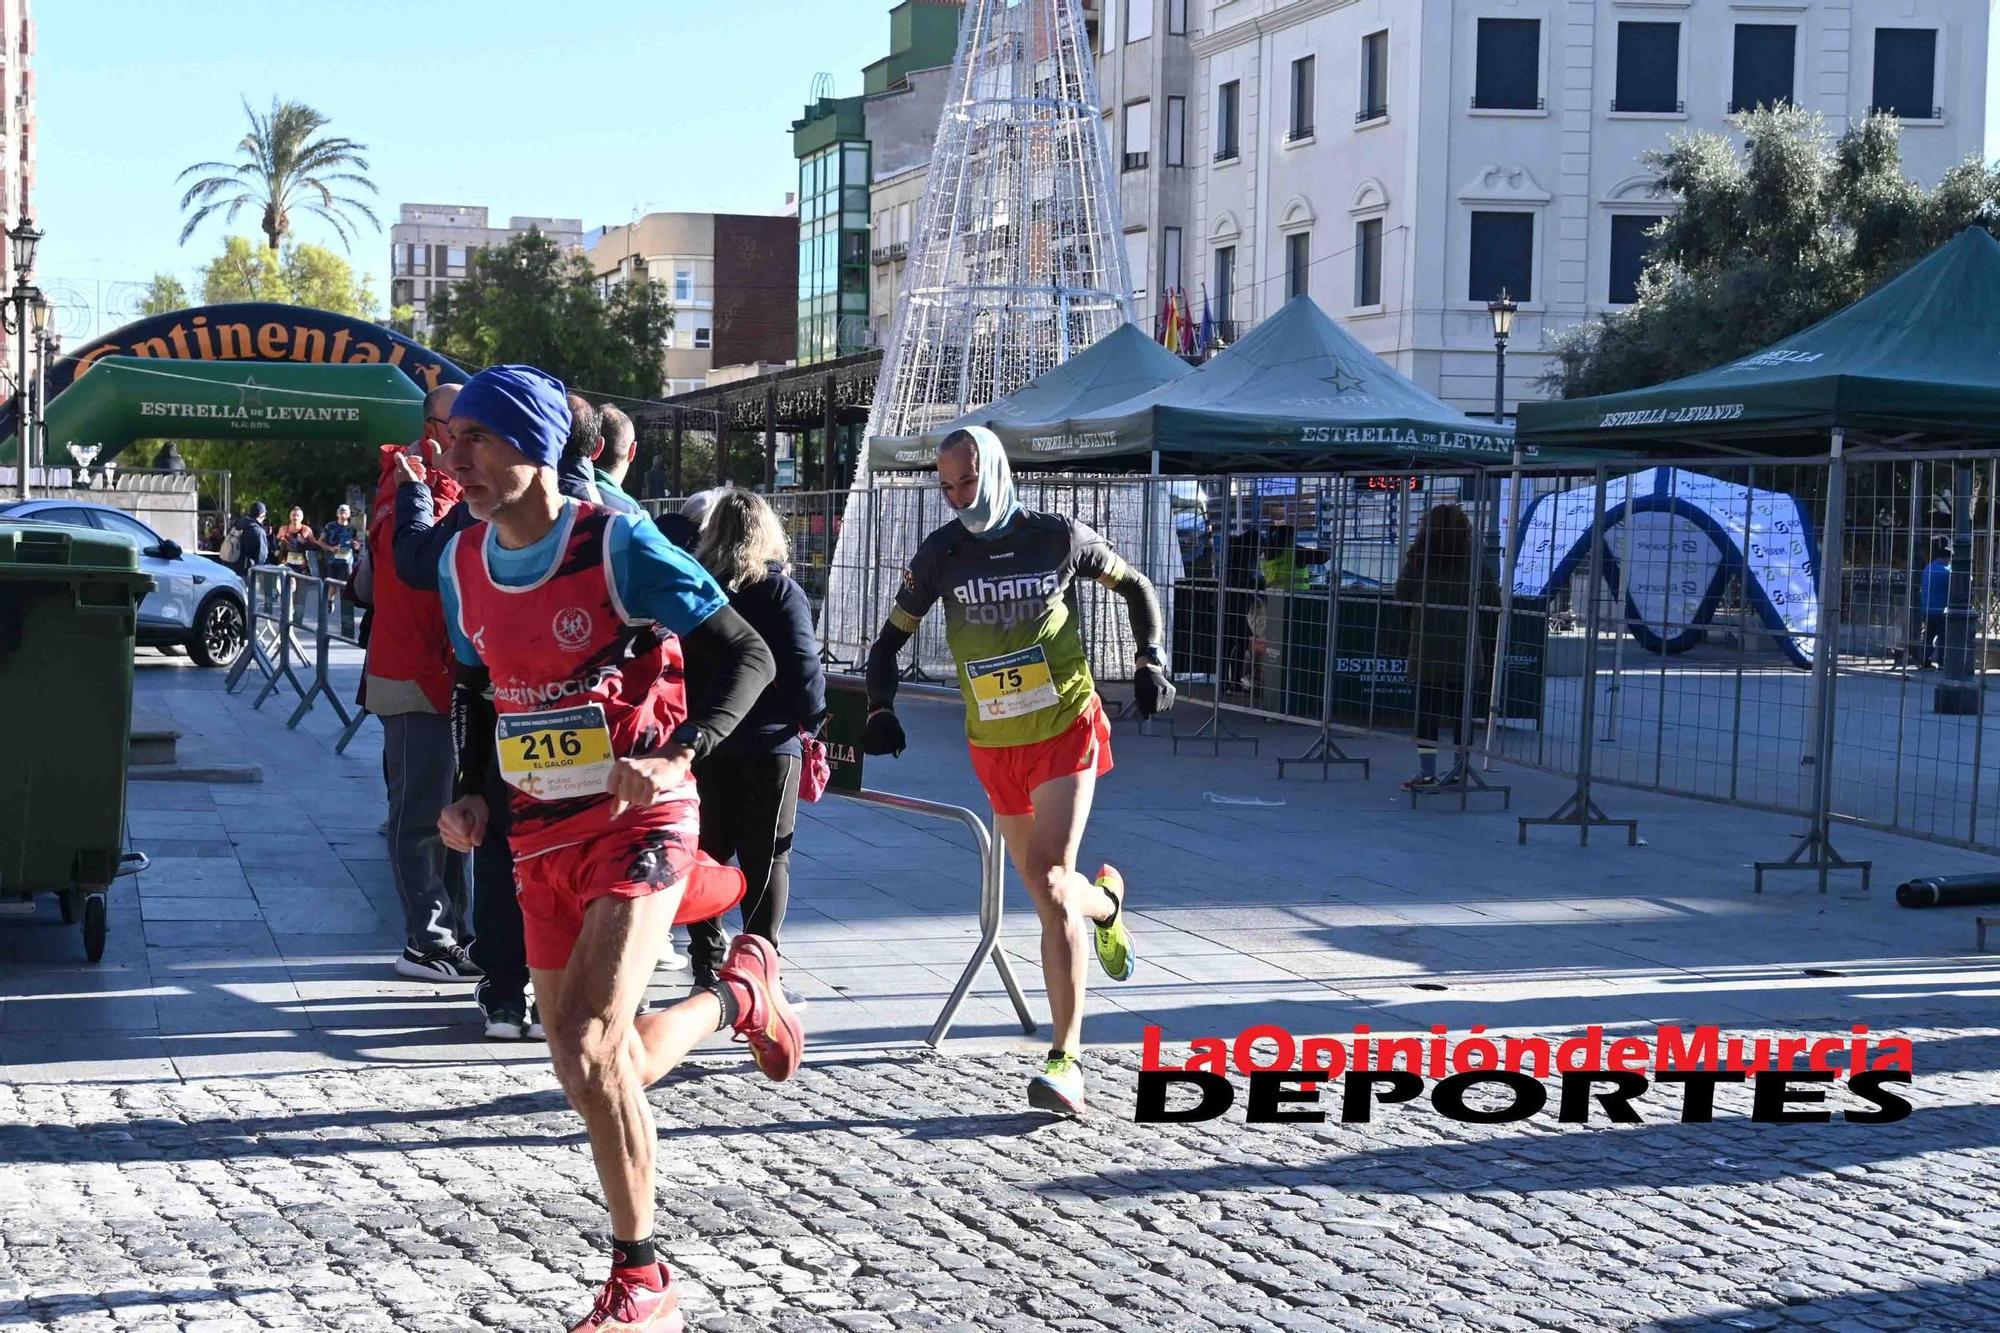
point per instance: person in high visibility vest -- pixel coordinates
(1286, 564)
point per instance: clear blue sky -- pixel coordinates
(551, 109)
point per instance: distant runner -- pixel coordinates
(1035, 727)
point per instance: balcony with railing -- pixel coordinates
(890, 253)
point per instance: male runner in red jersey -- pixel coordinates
(569, 624)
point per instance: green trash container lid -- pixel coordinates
(43, 551)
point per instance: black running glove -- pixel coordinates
(1152, 691)
(883, 734)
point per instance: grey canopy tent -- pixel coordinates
(1298, 393)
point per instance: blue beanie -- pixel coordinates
(524, 406)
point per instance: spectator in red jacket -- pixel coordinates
(408, 683)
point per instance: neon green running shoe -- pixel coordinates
(1114, 942)
(1059, 1087)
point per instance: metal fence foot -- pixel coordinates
(1816, 853)
(1215, 733)
(1465, 780)
(1326, 752)
(1581, 813)
(352, 730)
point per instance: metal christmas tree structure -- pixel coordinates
(1018, 259)
(1017, 263)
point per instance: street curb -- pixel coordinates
(232, 773)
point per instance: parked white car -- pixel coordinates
(196, 603)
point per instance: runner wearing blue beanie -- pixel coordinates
(572, 627)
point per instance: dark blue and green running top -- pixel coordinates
(1021, 663)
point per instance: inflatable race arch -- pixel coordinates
(246, 370)
(1672, 541)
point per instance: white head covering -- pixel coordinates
(695, 508)
(995, 503)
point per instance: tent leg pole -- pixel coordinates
(1325, 750)
(1466, 780)
(1213, 731)
(1580, 811)
(1510, 556)
(1815, 851)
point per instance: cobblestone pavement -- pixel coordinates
(904, 1191)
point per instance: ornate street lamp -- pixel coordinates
(24, 239)
(41, 312)
(1501, 308)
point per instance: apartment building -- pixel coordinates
(1146, 83)
(430, 244)
(731, 279)
(1404, 161)
(863, 163)
(17, 128)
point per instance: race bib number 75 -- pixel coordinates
(556, 755)
(1013, 684)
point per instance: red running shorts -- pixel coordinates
(1010, 773)
(629, 860)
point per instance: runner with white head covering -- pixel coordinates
(1035, 727)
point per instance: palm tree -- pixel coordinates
(283, 164)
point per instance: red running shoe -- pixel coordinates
(764, 1019)
(629, 1307)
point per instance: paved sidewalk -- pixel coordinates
(242, 1119)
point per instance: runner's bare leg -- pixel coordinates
(1044, 848)
(587, 1011)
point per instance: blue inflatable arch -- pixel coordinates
(1779, 566)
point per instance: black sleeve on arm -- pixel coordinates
(417, 542)
(799, 666)
(738, 665)
(882, 672)
(472, 725)
(1143, 605)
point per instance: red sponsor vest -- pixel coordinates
(564, 642)
(407, 640)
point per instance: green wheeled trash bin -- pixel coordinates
(69, 610)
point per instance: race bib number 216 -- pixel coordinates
(557, 755)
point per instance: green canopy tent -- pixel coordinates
(1912, 366)
(1298, 393)
(1119, 366)
(1917, 361)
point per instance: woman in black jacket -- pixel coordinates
(1443, 581)
(750, 783)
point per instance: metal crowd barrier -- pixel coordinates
(280, 599)
(992, 871)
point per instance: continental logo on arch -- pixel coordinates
(195, 337)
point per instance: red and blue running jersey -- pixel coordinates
(579, 633)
